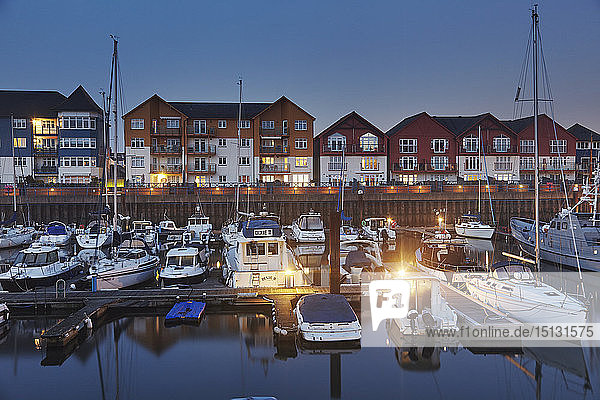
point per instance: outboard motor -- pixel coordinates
(412, 316)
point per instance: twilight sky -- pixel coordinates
(385, 59)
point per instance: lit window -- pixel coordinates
(137, 123)
(369, 163)
(369, 142)
(301, 162)
(20, 143)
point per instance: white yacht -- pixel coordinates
(308, 228)
(131, 265)
(184, 266)
(200, 227)
(146, 231)
(511, 288)
(261, 257)
(97, 234)
(56, 234)
(327, 318)
(348, 232)
(470, 225)
(14, 236)
(38, 266)
(379, 229)
(169, 234)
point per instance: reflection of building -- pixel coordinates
(257, 334)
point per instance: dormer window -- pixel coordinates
(369, 142)
(336, 142)
(502, 143)
(470, 143)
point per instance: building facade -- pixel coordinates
(197, 142)
(351, 147)
(56, 139)
(587, 147)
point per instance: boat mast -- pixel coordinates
(12, 134)
(115, 117)
(105, 140)
(535, 20)
(479, 172)
(239, 143)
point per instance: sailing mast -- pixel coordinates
(115, 117)
(535, 19)
(239, 144)
(12, 133)
(479, 172)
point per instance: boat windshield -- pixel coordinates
(516, 271)
(141, 226)
(311, 223)
(377, 223)
(36, 259)
(183, 261)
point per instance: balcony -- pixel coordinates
(169, 168)
(165, 149)
(44, 130)
(39, 150)
(275, 168)
(205, 150)
(337, 166)
(46, 169)
(275, 150)
(355, 148)
(208, 170)
(423, 167)
(164, 131)
(503, 166)
(278, 131)
(570, 166)
(208, 131)
(489, 149)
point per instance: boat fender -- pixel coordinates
(88, 322)
(277, 330)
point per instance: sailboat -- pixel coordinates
(133, 262)
(470, 225)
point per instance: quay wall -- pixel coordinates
(408, 209)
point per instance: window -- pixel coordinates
(335, 163)
(502, 143)
(78, 161)
(528, 146)
(173, 123)
(255, 249)
(407, 163)
(268, 143)
(20, 123)
(267, 124)
(470, 143)
(472, 163)
(222, 160)
(583, 145)
(439, 163)
(558, 146)
(244, 178)
(79, 123)
(595, 145)
(244, 124)
(369, 142)
(137, 162)
(503, 163)
(272, 249)
(527, 163)
(137, 143)
(85, 143)
(284, 126)
(336, 142)
(244, 160)
(301, 162)
(245, 142)
(222, 124)
(300, 125)
(439, 145)
(407, 145)
(222, 178)
(301, 143)
(20, 161)
(199, 126)
(20, 142)
(222, 142)
(369, 163)
(136, 123)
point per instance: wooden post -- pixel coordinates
(334, 251)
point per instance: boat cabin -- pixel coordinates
(141, 226)
(37, 256)
(310, 222)
(262, 246)
(512, 271)
(468, 219)
(182, 257)
(168, 225)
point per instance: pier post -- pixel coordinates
(334, 251)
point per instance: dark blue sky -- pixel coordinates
(385, 59)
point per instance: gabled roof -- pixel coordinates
(154, 96)
(404, 123)
(29, 103)
(583, 133)
(518, 125)
(79, 100)
(283, 98)
(356, 115)
(219, 110)
(458, 125)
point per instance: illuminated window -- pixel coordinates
(301, 162)
(369, 142)
(20, 142)
(369, 163)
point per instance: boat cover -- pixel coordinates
(253, 225)
(357, 258)
(56, 229)
(186, 311)
(326, 308)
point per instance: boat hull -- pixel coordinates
(179, 279)
(86, 241)
(27, 283)
(16, 240)
(126, 277)
(475, 232)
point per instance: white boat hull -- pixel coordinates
(87, 241)
(17, 239)
(119, 278)
(477, 232)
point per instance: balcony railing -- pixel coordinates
(167, 168)
(569, 166)
(275, 168)
(373, 167)
(337, 166)
(208, 131)
(487, 149)
(166, 149)
(209, 169)
(44, 150)
(503, 166)
(275, 150)
(40, 130)
(163, 130)
(355, 148)
(209, 149)
(46, 169)
(423, 167)
(277, 131)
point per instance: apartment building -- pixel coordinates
(197, 142)
(55, 138)
(364, 147)
(587, 147)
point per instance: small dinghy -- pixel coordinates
(327, 318)
(187, 311)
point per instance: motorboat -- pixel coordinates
(357, 257)
(146, 231)
(261, 257)
(308, 228)
(17, 235)
(470, 225)
(230, 233)
(131, 265)
(199, 226)
(38, 266)
(326, 318)
(379, 229)
(511, 288)
(348, 232)
(183, 266)
(56, 234)
(98, 233)
(4, 314)
(427, 308)
(169, 234)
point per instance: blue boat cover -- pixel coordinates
(56, 228)
(326, 308)
(187, 310)
(253, 225)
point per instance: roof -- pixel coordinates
(458, 125)
(79, 100)
(518, 125)
(358, 117)
(261, 228)
(403, 124)
(197, 110)
(30, 103)
(326, 308)
(583, 133)
(183, 251)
